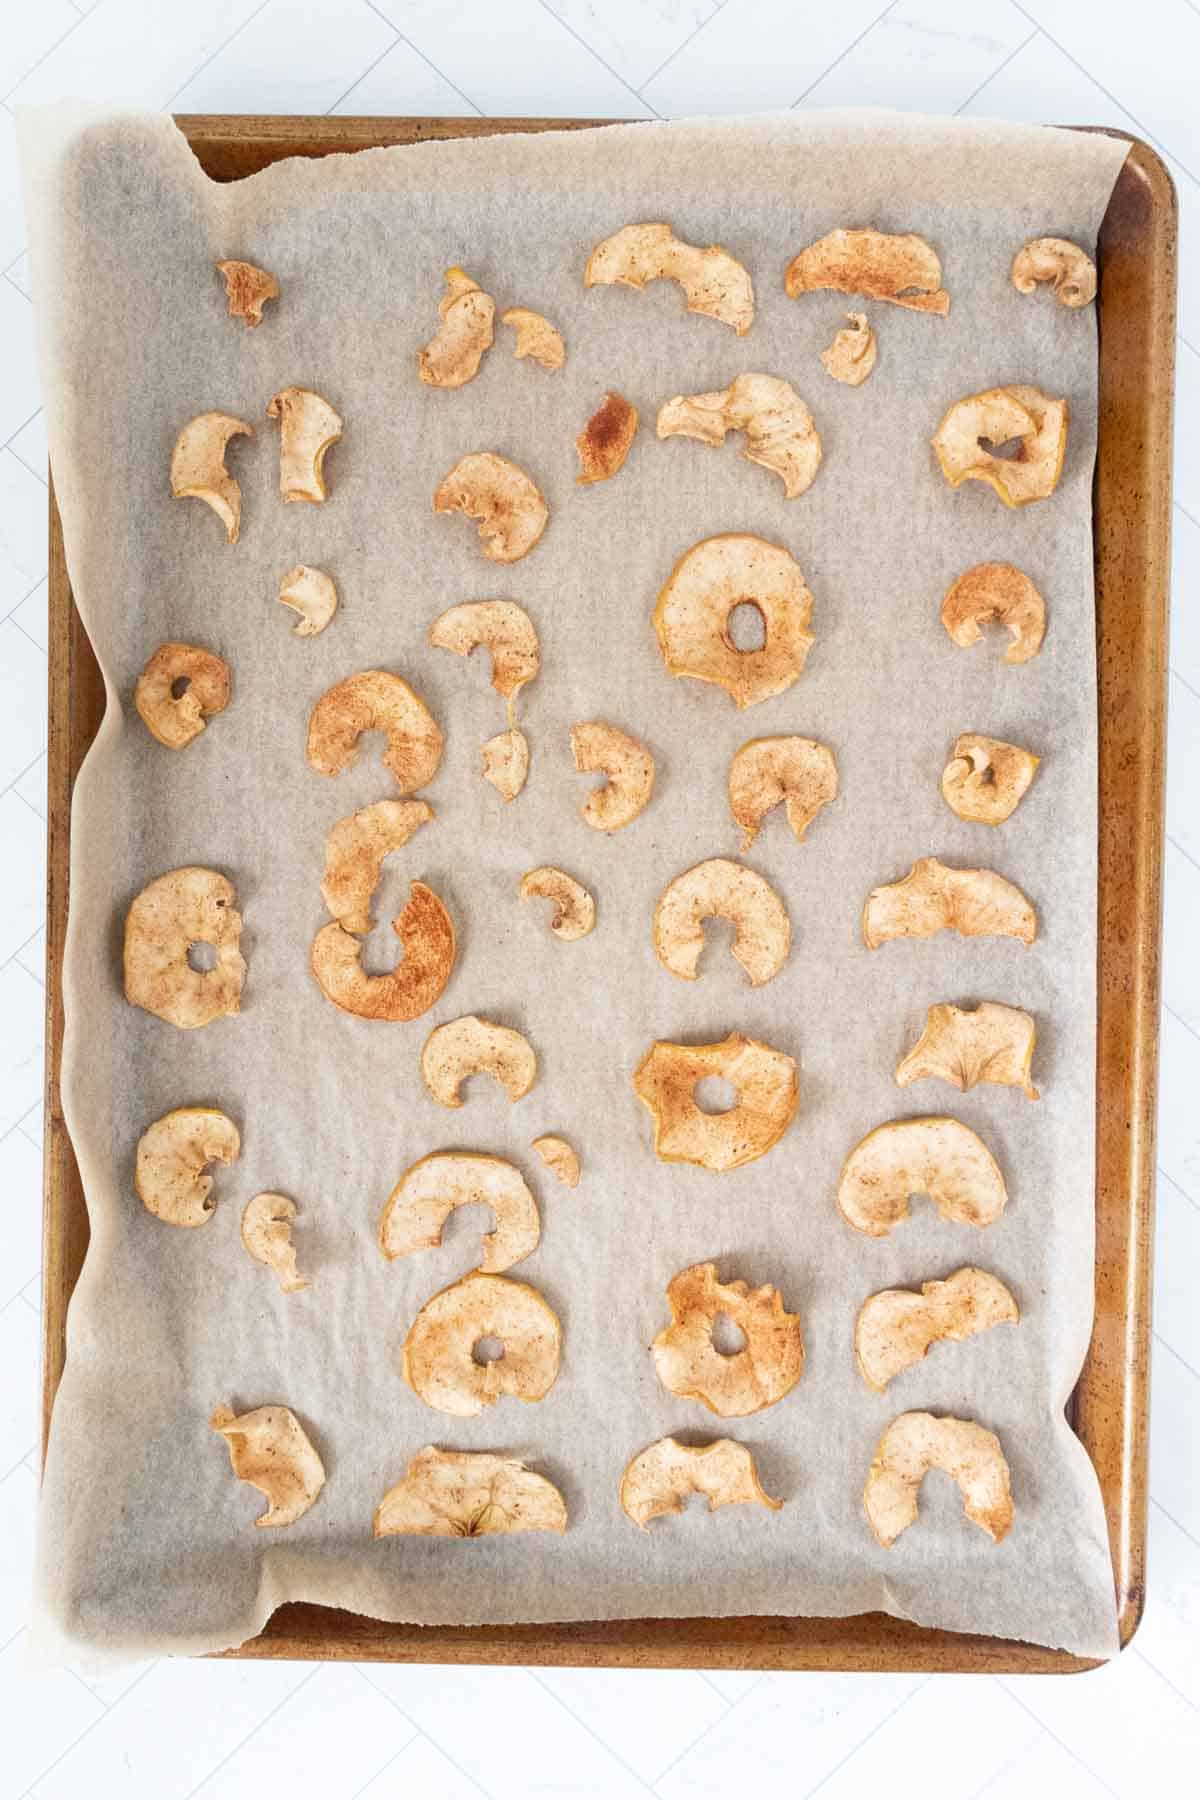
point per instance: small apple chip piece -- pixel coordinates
(988, 1042)
(312, 594)
(768, 1090)
(996, 591)
(917, 1442)
(375, 700)
(780, 433)
(198, 469)
(506, 505)
(996, 417)
(664, 1476)
(1057, 260)
(899, 267)
(574, 908)
(439, 1361)
(560, 1158)
(308, 427)
(693, 612)
(354, 853)
(452, 356)
(167, 919)
(936, 1156)
(473, 1046)
(689, 1363)
(267, 1236)
(506, 762)
(933, 898)
(795, 772)
(247, 289)
(713, 282)
(536, 337)
(425, 930)
(853, 352)
(896, 1328)
(468, 1494)
(986, 779)
(606, 440)
(429, 1192)
(270, 1449)
(721, 889)
(180, 687)
(172, 1155)
(601, 749)
(504, 629)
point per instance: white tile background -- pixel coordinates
(229, 1730)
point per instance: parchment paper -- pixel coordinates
(146, 1538)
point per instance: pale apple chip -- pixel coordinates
(986, 779)
(690, 1365)
(560, 1158)
(933, 898)
(270, 1449)
(198, 469)
(506, 505)
(180, 687)
(439, 1362)
(795, 772)
(936, 1156)
(917, 1442)
(713, 282)
(721, 889)
(267, 1236)
(431, 1189)
(574, 909)
(780, 433)
(996, 591)
(504, 629)
(375, 700)
(168, 919)
(692, 616)
(853, 353)
(172, 1155)
(768, 1091)
(506, 762)
(468, 1494)
(989, 1042)
(426, 932)
(536, 337)
(247, 289)
(997, 417)
(899, 267)
(355, 850)
(452, 356)
(312, 594)
(896, 1329)
(601, 749)
(308, 428)
(1056, 260)
(606, 440)
(473, 1046)
(663, 1477)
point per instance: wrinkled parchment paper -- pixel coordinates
(146, 1539)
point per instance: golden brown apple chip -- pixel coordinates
(997, 417)
(713, 282)
(996, 591)
(795, 772)
(506, 505)
(504, 629)
(247, 289)
(768, 1091)
(693, 612)
(506, 762)
(172, 1155)
(312, 594)
(661, 1478)
(308, 428)
(560, 1158)
(203, 681)
(375, 700)
(917, 1442)
(536, 337)
(606, 440)
(267, 1236)
(473, 1046)
(601, 749)
(720, 889)
(853, 352)
(935, 1156)
(429, 1192)
(168, 918)
(933, 898)
(425, 930)
(1070, 269)
(896, 1328)
(198, 469)
(468, 1494)
(270, 1449)
(452, 356)
(439, 1362)
(689, 1363)
(988, 1042)
(900, 267)
(780, 433)
(986, 779)
(354, 854)
(574, 909)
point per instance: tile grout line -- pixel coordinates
(401, 38)
(103, 1714)
(13, 954)
(265, 1717)
(1171, 1351)
(1170, 1517)
(596, 57)
(200, 67)
(852, 45)
(1181, 1191)
(863, 1741)
(731, 1706)
(22, 773)
(1050, 1732)
(1165, 1679)
(417, 1732)
(667, 61)
(1180, 1020)
(34, 66)
(535, 1676)
(373, 64)
(998, 70)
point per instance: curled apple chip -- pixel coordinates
(574, 909)
(506, 762)
(780, 433)
(989, 1042)
(933, 898)
(601, 749)
(468, 1494)
(560, 1158)
(505, 503)
(452, 356)
(180, 687)
(986, 779)
(997, 417)
(270, 1449)
(473, 1046)
(606, 440)
(425, 930)
(267, 1236)
(693, 612)
(664, 1476)
(172, 1155)
(198, 469)
(853, 352)
(896, 1328)
(936, 1156)
(794, 772)
(439, 1362)
(900, 267)
(375, 700)
(167, 920)
(917, 1442)
(713, 282)
(312, 594)
(768, 1093)
(354, 854)
(247, 289)
(504, 629)
(429, 1192)
(689, 1363)
(536, 337)
(1070, 269)
(996, 591)
(720, 889)
(308, 427)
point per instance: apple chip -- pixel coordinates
(506, 762)
(795, 772)
(574, 908)
(504, 629)
(713, 282)
(933, 898)
(439, 1361)
(501, 498)
(720, 889)
(899, 267)
(768, 1093)
(997, 417)
(853, 352)
(468, 1494)
(935, 1156)
(198, 469)
(780, 433)
(917, 1442)
(247, 289)
(986, 779)
(164, 923)
(664, 1476)
(172, 1155)
(474, 1046)
(270, 1449)
(1070, 269)
(996, 591)
(452, 356)
(429, 1192)
(536, 337)
(601, 749)
(308, 427)
(560, 1158)
(375, 700)
(354, 854)
(267, 1236)
(180, 687)
(606, 440)
(690, 1365)
(425, 930)
(897, 1328)
(988, 1042)
(312, 594)
(694, 608)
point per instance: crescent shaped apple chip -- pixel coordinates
(689, 1364)
(473, 1046)
(601, 749)
(312, 594)
(1069, 269)
(899, 267)
(468, 1494)
(355, 850)
(780, 433)
(574, 909)
(935, 1156)
(308, 428)
(198, 469)
(986, 779)
(270, 1449)
(506, 762)
(917, 1442)
(204, 681)
(606, 440)
(433, 1188)
(768, 1090)
(933, 898)
(560, 1158)
(439, 1364)
(996, 591)
(852, 355)
(506, 505)
(713, 282)
(247, 289)
(691, 618)
(452, 356)
(720, 889)
(167, 919)
(794, 772)
(375, 700)
(426, 932)
(536, 337)
(999, 416)
(989, 1042)
(504, 629)
(267, 1236)
(172, 1155)
(664, 1476)
(897, 1328)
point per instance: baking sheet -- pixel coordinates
(165, 1325)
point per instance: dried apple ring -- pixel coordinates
(204, 681)
(1057, 260)
(601, 749)
(439, 1362)
(693, 612)
(427, 1193)
(503, 500)
(355, 850)
(308, 427)
(689, 1364)
(172, 1156)
(473, 1046)
(426, 931)
(936, 1156)
(270, 1449)
(996, 591)
(896, 266)
(897, 1328)
(175, 912)
(713, 281)
(452, 356)
(198, 469)
(574, 909)
(998, 416)
(768, 1090)
(917, 1442)
(665, 1475)
(468, 1494)
(721, 889)
(375, 700)
(795, 772)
